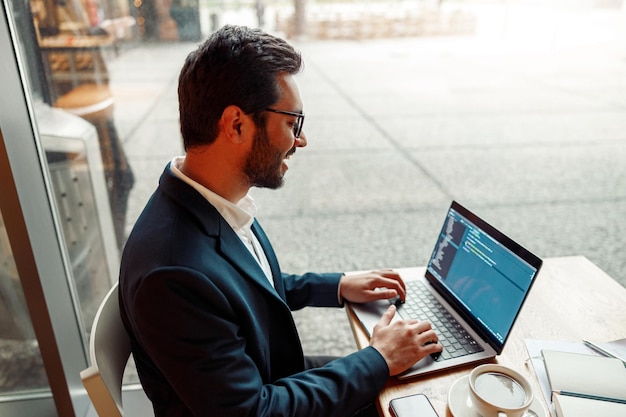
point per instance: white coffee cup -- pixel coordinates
(498, 391)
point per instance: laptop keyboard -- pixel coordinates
(456, 341)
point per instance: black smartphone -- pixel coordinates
(417, 405)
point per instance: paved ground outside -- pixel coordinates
(525, 127)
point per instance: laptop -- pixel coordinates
(473, 289)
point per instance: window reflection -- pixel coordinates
(74, 47)
(80, 195)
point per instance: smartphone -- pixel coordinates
(417, 405)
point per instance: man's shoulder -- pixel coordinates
(180, 202)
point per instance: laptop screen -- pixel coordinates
(483, 272)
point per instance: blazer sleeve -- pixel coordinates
(312, 290)
(194, 337)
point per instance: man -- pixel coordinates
(202, 294)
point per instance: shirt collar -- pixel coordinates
(238, 216)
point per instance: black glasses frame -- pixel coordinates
(297, 126)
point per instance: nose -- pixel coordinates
(301, 142)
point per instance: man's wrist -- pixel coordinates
(339, 296)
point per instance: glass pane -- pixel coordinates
(65, 52)
(21, 366)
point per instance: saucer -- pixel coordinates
(460, 404)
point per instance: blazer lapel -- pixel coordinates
(279, 285)
(236, 252)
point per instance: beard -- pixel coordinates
(263, 166)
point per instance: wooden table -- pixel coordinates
(571, 300)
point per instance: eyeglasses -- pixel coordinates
(297, 126)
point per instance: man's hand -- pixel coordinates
(403, 343)
(371, 286)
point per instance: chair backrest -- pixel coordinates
(109, 350)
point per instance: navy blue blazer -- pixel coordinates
(210, 336)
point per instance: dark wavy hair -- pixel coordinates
(235, 66)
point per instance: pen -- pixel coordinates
(603, 351)
(590, 397)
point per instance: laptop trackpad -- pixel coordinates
(370, 313)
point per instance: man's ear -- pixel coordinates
(233, 123)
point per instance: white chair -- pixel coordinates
(109, 350)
